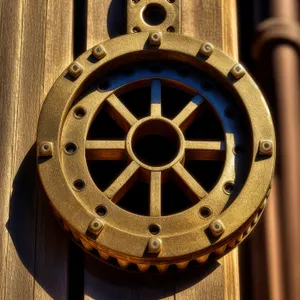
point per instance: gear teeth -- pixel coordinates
(248, 230)
(143, 268)
(75, 235)
(66, 227)
(232, 244)
(202, 259)
(255, 220)
(123, 263)
(86, 245)
(221, 250)
(103, 255)
(182, 265)
(263, 206)
(239, 238)
(57, 215)
(162, 268)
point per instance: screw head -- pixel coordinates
(154, 245)
(266, 147)
(95, 226)
(217, 228)
(75, 69)
(46, 149)
(99, 52)
(155, 38)
(206, 49)
(238, 71)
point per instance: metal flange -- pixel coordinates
(218, 217)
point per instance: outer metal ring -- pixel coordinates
(130, 232)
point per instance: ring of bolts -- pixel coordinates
(217, 228)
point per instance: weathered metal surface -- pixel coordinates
(154, 60)
(149, 15)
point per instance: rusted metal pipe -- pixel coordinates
(286, 75)
(282, 241)
(275, 246)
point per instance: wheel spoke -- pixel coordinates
(185, 179)
(189, 113)
(156, 98)
(123, 183)
(105, 150)
(120, 113)
(155, 194)
(205, 150)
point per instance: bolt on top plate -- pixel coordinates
(149, 15)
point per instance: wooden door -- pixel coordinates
(39, 39)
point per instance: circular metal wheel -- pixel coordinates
(156, 153)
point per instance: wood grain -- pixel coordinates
(215, 21)
(11, 31)
(52, 245)
(106, 19)
(37, 36)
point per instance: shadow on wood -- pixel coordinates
(38, 248)
(113, 281)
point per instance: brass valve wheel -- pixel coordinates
(156, 150)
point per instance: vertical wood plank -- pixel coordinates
(215, 21)
(106, 19)
(105, 282)
(11, 36)
(33, 253)
(203, 20)
(100, 281)
(229, 28)
(209, 286)
(52, 245)
(97, 30)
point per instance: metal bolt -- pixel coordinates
(154, 245)
(75, 69)
(206, 49)
(99, 52)
(46, 149)
(266, 147)
(95, 226)
(238, 71)
(155, 38)
(217, 228)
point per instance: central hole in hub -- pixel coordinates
(154, 14)
(156, 143)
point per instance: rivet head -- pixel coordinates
(46, 149)
(238, 71)
(154, 245)
(266, 147)
(217, 228)
(155, 38)
(95, 226)
(75, 69)
(206, 49)
(99, 52)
